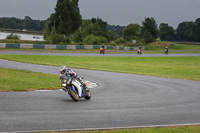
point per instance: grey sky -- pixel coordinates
(115, 12)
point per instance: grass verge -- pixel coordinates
(179, 129)
(24, 80)
(171, 67)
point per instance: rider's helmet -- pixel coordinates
(63, 69)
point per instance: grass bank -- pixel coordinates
(23, 80)
(171, 67)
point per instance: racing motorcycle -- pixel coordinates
(139, 51)
(102, 51)
(75, 88)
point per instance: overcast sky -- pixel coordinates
(115, 12)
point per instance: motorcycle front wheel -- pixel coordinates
(73, 94)
(88, 95)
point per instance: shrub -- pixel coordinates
(95, 40)
(120, 41)
(67, 40)
(13, 36)
(56, 38)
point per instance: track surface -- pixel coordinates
(121, 100)
(93, 54)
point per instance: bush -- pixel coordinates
(13, 36)
(56, 38)
(67, 40)
(120, 41)
(95, 40)
(79, 36)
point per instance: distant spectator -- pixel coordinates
(166, 50)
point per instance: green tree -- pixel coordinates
(131, 31)
(27, 22)
(66, 19)
(185, 31)
(166, 32)
(95, 27)
(98, 40)
(149, 30)
(197, 30)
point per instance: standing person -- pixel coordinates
(166, 50)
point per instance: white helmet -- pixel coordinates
(63, 69)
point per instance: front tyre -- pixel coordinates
(88, 95)
(73, 94)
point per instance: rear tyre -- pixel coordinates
(73, 94)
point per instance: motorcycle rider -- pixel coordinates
(103, 47)
(166, 50)
(64, 71)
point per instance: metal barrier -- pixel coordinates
(72, 47)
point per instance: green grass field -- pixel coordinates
(171, 67)
(23, 80)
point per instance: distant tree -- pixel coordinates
(66, 19)
(185, 31)
(98, 28)
(95, 27)
(131, 31)
(115, 30)
(1, 23)
(197, 30)
(26, 23)
(96, 40)
(149, 30)
(166, 32)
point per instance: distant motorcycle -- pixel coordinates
(102, 51)
(74, 87)
(139, 51)
(166, 50)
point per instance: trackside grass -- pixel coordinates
(171, 67)
(184, 129)
(23, 80)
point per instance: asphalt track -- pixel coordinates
(23, 52)
(120, 100)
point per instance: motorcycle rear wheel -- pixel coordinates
(74, 95)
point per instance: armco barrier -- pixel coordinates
(39, 46)
(61, 47)
(26, 46)
(8, 45)
(73, 47)
(2, 45)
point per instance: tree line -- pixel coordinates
(66, 25)
(20, 24)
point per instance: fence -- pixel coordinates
(70, 47)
